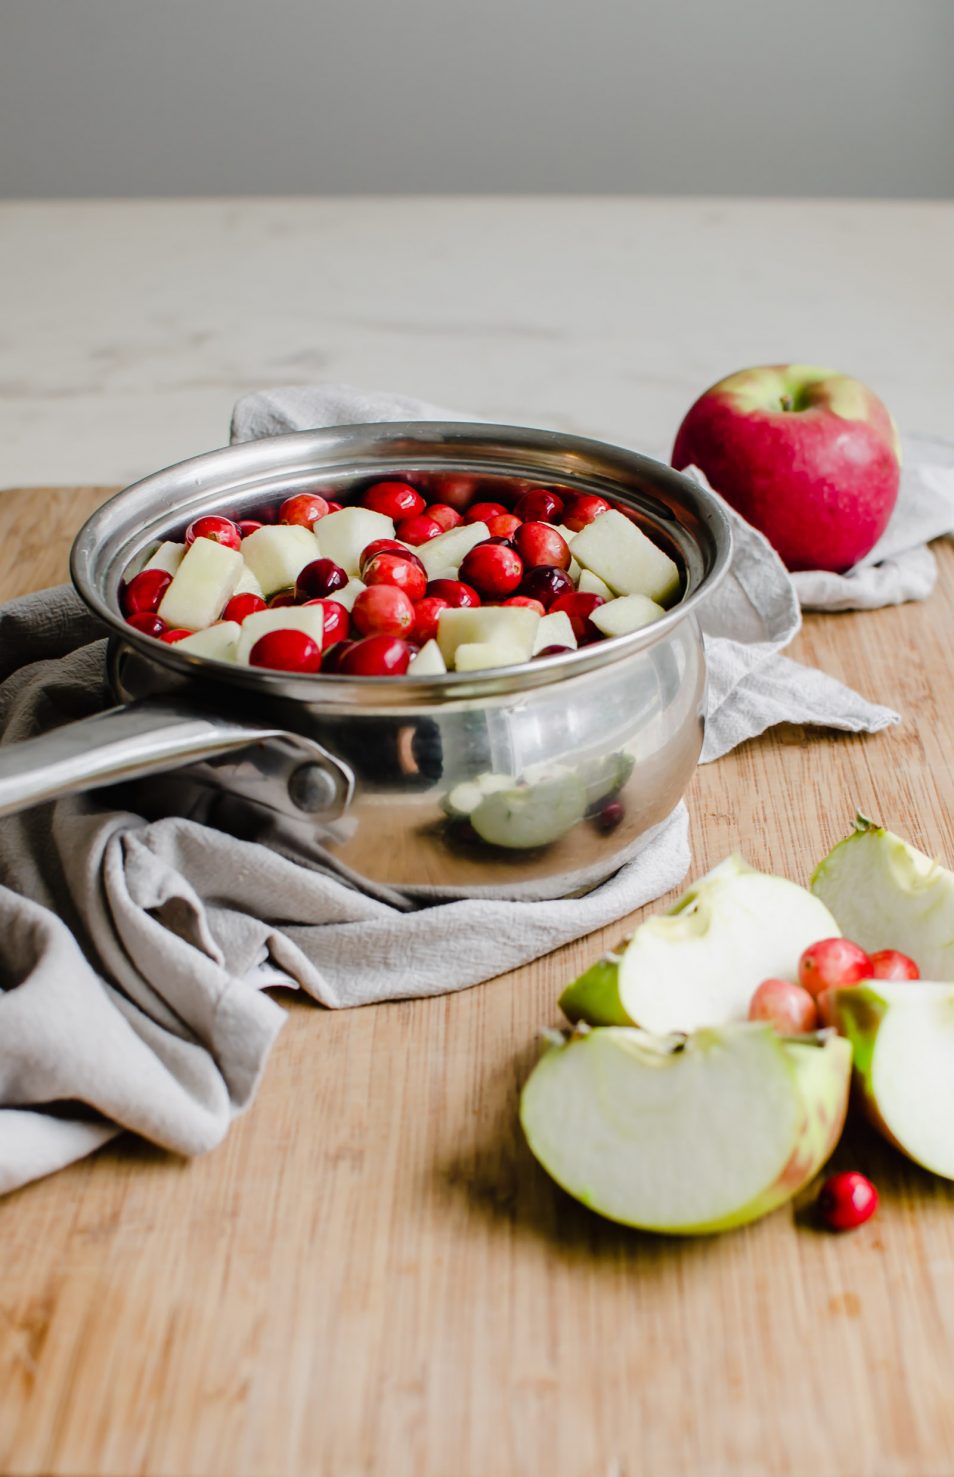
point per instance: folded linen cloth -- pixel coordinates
(137, 952)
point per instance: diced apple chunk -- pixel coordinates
(248, 584)
(629, 562)
(589, 583)
(349, 593)
(554, 630)
(278, 553)
(509, 625)
(220, 642)
(343, 536)
(307, 618)
(478, 656)
(201, 586)
(448, 549)
(428, 662)
(167, 556)
(628, 613)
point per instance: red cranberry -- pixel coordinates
(455, 592)
(503, 525)
(334, 507)
(394, 569)
(609, 816)
(286, 651)
(335, 623)
(177, 634)
(446, 516)
(480, 512)
(786, 1006)
(246, 526)
(241, 606)
(320, 578)
(540, 505)
(332, 656)
(386, 546)
(888, 964)
(546, 583)
(418, 530)
(147, 623)
(832, 963)
(377, 656)
(584, 509)
(396, 500)
(526, 601)
(282, 597)
(579, 608)
(539, 543)
(305, 508)
(551, 651)
(847, 1200)
(494, 570)
(426, 616)
(219, 530)
(144, 592)
(383, 610)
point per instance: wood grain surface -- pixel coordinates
(372, 1275)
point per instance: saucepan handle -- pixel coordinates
(148, 737)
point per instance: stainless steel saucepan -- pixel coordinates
(572, 757)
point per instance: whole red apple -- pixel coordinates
(809, 456)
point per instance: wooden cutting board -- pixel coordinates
(373, 1276)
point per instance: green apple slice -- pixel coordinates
(686, 1136)
(480, 656)
(219, 642)
(448, 549)
(888, 895)
(307, 618)
(625, 559)
(277, 554)
(529, 815)
(902, 1041)
(591, 584)
(464, 798)
(344, 536)
(499, 625)
(201, 586)
(699, 963)
(428, 662)
(627, 613)
(555, 629)
(168, 556)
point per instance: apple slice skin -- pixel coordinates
(886, 894)
(809, 1080)
(869, 1016)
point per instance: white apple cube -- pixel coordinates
(629, 562)
(554, 630)
(307, 618)
(349, 593)
(589, 583)
(479, 656)
(343, 536)
(627, 613)
(428, 662)
(248, 584)
(168, 556)
(202, 585)
(447, 550)
(278, 553)
(509, 625)
(220, 642)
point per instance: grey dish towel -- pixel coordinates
(136, 953)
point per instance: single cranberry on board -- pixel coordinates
(377, 656)
(336, 621)
(445, 515)
(395, 569)
(786, 1006)
(396, 500)
(539, 505)
(584, 509)
(146, 622)
(540, 544)
(426, 616)
(143, 594)
(480, 512)
(546, 583)
(241, 606)
(305, 508)
(889, 964)
(418, 530)
(286, 651)
(320, 578)
(219, 530)
(847, 1200)
(457, 594)
(383, 610)
(494, 570)
(832, 963)
(579, 607)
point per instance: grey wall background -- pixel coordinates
(224, 97)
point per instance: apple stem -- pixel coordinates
(785, 401)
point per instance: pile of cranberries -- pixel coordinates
(524, 561)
